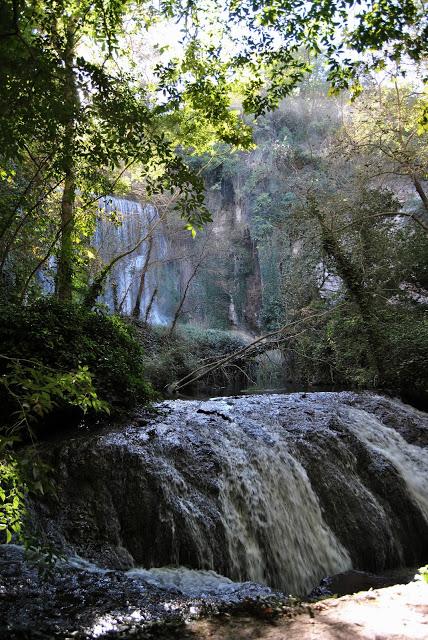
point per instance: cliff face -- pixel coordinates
(232, 228)
(213, 279)
(225, 292)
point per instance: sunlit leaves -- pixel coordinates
(266, 36)
(384, 130)
(12, 493)
(110, 123)
(37, 390)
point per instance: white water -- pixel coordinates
(120, 226)
(273, 522)
(195, 583)
(189, 582)
(410, 461)
(275, 530)
(134, 222)
(225, 486)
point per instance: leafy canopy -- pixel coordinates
(115, 120)
(269, 45)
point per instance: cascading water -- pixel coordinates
(281, 490)
(410, 461)
(134, 280)
(122, 225)
(272, 518)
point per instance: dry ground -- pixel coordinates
(395, 613)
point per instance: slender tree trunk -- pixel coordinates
(183, 298)
(71, 98)
(96, 287)
(119, 305)
(136, 310)
(15, 234)
(149, 308)
(419, 188)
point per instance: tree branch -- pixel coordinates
(198, 373)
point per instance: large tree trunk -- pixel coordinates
(65, 257)
(353, 279)
(71, 98)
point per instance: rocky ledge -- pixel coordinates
(79, 600)
(277, 489)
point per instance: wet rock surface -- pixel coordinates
(353, 581)
(409, 422)
(80, 600)
(85, 602)
(278, 489)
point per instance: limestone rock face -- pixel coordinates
(276, 489)
(228, 287)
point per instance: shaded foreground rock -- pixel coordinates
(82, 601)
(352, 581)
(86, 602)
(277, 489)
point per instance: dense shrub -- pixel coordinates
(335, 351)
(406, 352)
(57, 362)
(67, 337)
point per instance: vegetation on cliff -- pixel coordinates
(333, 203)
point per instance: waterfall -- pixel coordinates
(410, 461)
(274, 527)
(121, 225)
(277, 489)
